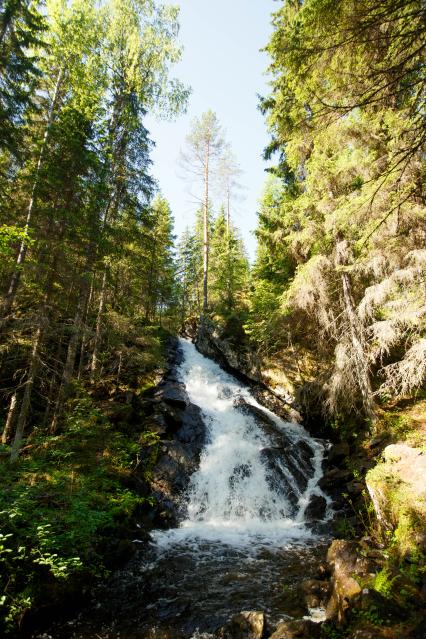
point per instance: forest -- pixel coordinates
(94, 281)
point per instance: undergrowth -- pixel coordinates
(71, 493)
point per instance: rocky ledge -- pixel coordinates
(181, 433)
(244, 365)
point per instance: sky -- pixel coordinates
(223, 65)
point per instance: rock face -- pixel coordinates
(181, 429)
(348, 570)
(213, 344)
(315, 510)
(299, 629)
(289, 464)
(244, 625)
(315, 592)
(244, 364)
(397, 488)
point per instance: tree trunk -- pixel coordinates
(85, 330)
(228, 211)
(16, 275)
(7, 431)
(53, 380)
(94, 363)
(34, 362)
(71, 353)
(206, 231)
(26, 400)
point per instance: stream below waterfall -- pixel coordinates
(244, 543)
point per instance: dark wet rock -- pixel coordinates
(184, 435)
(266, 423)
(335, 479)
(192, 430)
(316, 508)
(349, 570)
(338, 453)
(289, 461)
(174, 393)
(279, 478)
(244, 625)
(284, 407)
(297, 453)
(299, 629)
(315, 592)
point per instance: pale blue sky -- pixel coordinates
(223, 65)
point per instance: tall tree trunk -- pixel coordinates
(26, 399)
(34, 362)
(7, 430)
(68, 371)
(206, 231)
(228, 210)
(52, 385)
(94, 362)
(85, 329)
(16, 275)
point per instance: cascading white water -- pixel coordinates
(232, 495)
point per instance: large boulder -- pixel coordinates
(315, 592)
(315, 510)
(348, 570)
(338, 453)
(172, 392)
(398, 491)
(244, 625)
(299, 629)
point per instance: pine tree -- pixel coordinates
(204, 146)
(347, 221)
(22, 29)
(229, 268)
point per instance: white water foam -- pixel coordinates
(229, 497)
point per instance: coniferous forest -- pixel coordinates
(95, 284)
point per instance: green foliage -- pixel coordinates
(9, 237)
(22, 28)
(384, 582)
(58, 506)
(341, 228)
(228, 269)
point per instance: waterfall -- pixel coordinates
(257, 472)
(244, 541)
